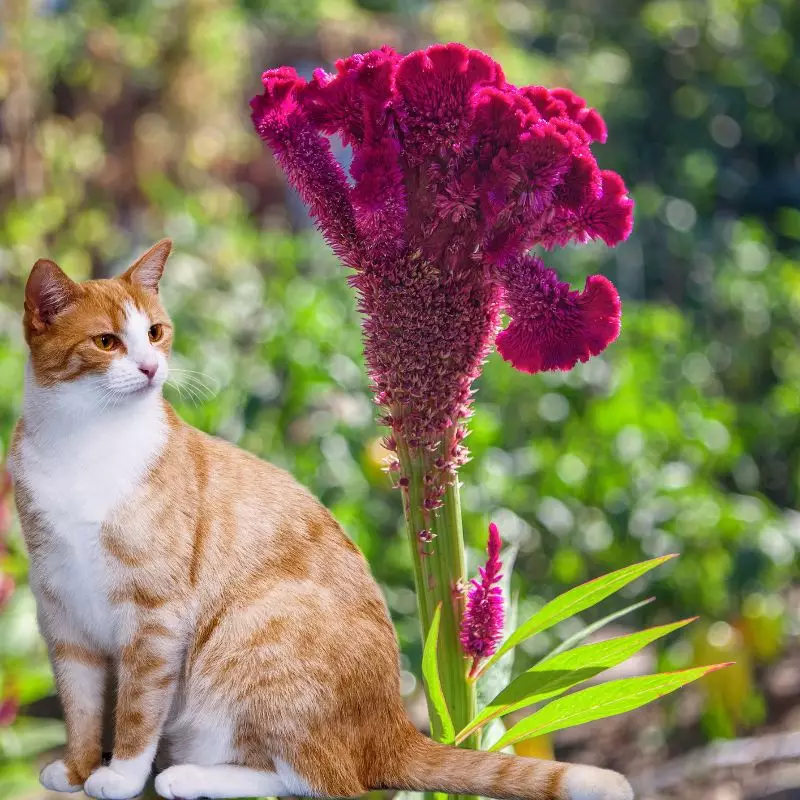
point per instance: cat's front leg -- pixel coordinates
(146, 681)
(80, 675)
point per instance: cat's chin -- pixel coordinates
(146, 390)
(137, 394)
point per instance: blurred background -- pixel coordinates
(123, 121)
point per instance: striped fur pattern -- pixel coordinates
(252, 649)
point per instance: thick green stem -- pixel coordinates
(448, 563)
(440, 576)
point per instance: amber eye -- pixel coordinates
(106, 341)
(156, 332)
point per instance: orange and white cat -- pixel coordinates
(251, 646)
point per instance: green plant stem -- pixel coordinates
(440, 576)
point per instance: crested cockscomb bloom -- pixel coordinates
(482, 622)
(456, 175)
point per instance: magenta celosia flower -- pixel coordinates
(482, 623)
(456, 175)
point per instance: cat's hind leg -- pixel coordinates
(191, 781)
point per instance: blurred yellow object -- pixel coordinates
(762, 626)
(733, 700)
(536, 747)
(374, 460)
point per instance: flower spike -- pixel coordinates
(482, 623)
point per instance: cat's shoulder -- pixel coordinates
(229, 470)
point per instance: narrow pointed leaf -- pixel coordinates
(573, 602)
(599, 702)
(585, 633)
(430, 671)
(558, 674)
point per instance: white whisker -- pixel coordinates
(190, 393)
(189, 384)
(191, 376)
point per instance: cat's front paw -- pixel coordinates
(183, 781)
(55, 777)
(108, 784)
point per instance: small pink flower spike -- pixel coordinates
(482, 623)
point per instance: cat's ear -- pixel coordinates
(48, 292)
(147, 271)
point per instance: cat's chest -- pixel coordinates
(72, 485)
(77, 481)
(75, 570)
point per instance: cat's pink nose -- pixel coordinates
(148, 369)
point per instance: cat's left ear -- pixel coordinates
(147, 271)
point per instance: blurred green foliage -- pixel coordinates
(123, 121)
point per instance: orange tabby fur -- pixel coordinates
(248, 628)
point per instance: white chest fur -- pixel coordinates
(78, 468)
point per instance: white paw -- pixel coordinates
(593, 783)
(184, 781)
(54, 778)
(107, 784)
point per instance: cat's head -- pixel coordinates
(107, 339)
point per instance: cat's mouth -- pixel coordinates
(150, 386)
(140, 390)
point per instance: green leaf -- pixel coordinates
(573, 602)
(584, 633)
(430, 671)
(555, 675)
(599, 702)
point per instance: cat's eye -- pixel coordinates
(106, 341)
(156, 332)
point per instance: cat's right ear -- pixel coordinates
(48, 292)
(147, 271)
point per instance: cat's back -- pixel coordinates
(263, 506)
(215, 479)
(249, 521)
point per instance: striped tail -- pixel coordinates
(431, 767)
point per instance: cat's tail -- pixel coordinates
(430, 767)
